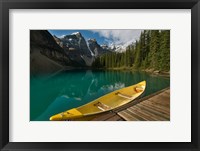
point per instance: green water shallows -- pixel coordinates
(50, 95)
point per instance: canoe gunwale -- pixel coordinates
(101, 105)
(98, 112)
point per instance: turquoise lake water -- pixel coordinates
(50, 95)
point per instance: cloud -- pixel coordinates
(122, 37)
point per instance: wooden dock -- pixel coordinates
(155, 107)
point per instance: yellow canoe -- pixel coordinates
(105, 103)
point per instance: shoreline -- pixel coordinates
(158, 72)
(149, 71)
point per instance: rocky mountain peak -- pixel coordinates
(77, 34)
(105, 46)
(45, 53)
(80, 50)
(92, 40)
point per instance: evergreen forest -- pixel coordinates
(150, 51)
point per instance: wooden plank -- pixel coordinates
(153, 107)
(167, 91)
(162, 96)
(127, 116)
(156, 111)
(121, 119)
(150, 113)
(159, 103)
(135, 115)
(104, 116)
(165, 102)
(161, 106)
(138, 100)
(141, 114)
(162, 115)
(156, 107)
(115, 118)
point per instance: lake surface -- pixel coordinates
(50, 95)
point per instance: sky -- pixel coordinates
(108, 37)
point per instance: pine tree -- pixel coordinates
(154, 47)
(165, 50)
(152, 50)
(137, 62)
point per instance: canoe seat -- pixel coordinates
(139, 89)
(102, 106)
(124, 95)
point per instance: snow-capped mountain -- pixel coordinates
(119, 47)
(76, 47)
(96, 49)
(82, 51)
(70, 50)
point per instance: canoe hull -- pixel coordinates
(105, 103)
